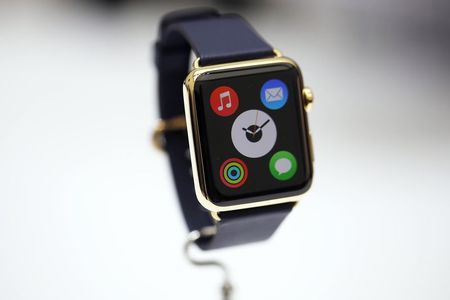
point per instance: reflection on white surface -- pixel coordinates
(87, 207)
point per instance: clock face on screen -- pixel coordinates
(252, 132)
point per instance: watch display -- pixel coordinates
(253, 134)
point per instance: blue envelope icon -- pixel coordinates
(274, 94)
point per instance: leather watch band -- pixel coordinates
(215, 39)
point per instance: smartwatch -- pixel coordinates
(234, 126)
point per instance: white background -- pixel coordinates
(88, 208)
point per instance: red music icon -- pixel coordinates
(225, 95)
(224, 101)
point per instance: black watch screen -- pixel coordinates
(253, 134)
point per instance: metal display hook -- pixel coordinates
(227, 287)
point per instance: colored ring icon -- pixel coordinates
(233, 172)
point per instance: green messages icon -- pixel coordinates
(283, 165)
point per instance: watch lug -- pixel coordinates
(196, 63)
(215, 216)
(277, 53)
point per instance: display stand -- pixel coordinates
(227, 287)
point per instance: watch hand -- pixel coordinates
(264, 124)
(247, 130)
(256, 121)
(260, 127)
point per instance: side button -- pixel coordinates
(308, 96)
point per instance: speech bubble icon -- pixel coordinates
(283, 165)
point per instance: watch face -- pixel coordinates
(253, 134)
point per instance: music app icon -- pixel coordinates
(224, 101)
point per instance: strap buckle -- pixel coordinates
(177, 123)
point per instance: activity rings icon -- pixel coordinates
(233, 172)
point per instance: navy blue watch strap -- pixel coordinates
(246, 226)
(214, 38)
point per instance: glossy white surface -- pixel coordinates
(88, 209)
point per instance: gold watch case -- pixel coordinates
(194, 137)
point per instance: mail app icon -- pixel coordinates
(274, 94)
